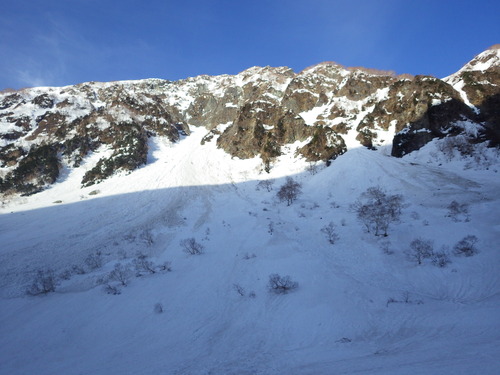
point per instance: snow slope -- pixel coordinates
(339, 321)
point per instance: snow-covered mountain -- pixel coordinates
(103, 184)
(257, 112)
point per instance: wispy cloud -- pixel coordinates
(31, 76)
(41, 55)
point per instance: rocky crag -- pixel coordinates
(325, 109)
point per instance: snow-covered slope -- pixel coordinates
(357, 309)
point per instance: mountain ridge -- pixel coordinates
(125, 296)
(253, 113)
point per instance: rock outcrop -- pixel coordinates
(321, 110)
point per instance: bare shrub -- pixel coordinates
(94, 260)
(120, 274)
(330, 232)
(239, 289)
(377, 210)
(44, 282)
(420, 249)
(405, 298)
(112, 289)
(460, 143)
(312, 168)
(289, 191)
(344, 340)
(147, 237)
(270, 228)
(191, 247)
(65, 275)
(281, 284)
(158, 308)
(77, 270)
(441, 258)
(143, 265)
(458, 211)
(266, 185)
(466, 246)
(165, 266)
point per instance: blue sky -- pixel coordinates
(62, 42)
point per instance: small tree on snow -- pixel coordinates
(441, 258)
(330, 232)
(289, 191)
(466, 246)
(120, 274)
(420, 249)
(143, 265)
(265, 184)
(43, 283)
(94, 260)
(281, 284)
(377, 210)
(191, 247)
(458, 211)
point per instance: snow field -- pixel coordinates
(339, 320)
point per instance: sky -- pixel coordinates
(64, 42)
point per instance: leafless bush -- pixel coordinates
(312, 168)
(112, 289)
(94, 260)
(165, 266)
(344, 340)
(143, 265)
(441, 258)
(466, 246)
(158, 309)
(458, 211)
(191, 247)
(330, 232)
(460, 143)
(239, 289)
(65, 275)
(377, 210)
(289, 191)
(77, 270)
(43, 283)
(120, 274)
(265, 184)
(334, 205)
(281, 284)
(420, 249)
(147, 237)
(270, 228)
(405, 299)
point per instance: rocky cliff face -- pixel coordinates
(327, 108)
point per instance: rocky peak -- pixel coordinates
(253, 113)
(478, 83)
